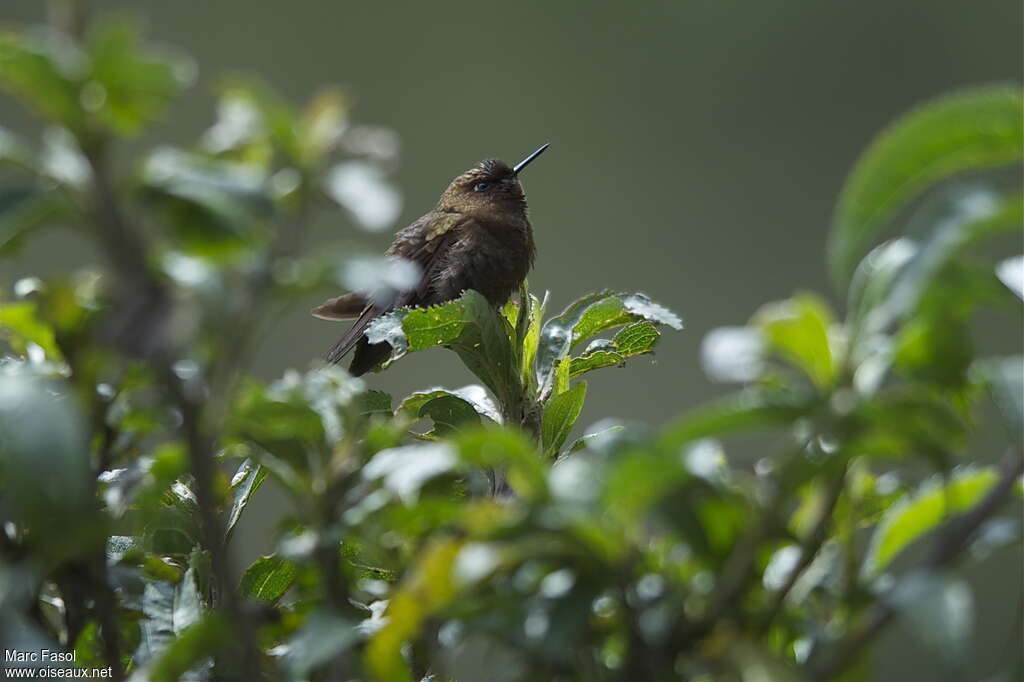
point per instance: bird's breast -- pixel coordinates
(492, 259)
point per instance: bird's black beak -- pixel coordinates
(529, 159)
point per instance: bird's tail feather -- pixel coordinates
(353, 335)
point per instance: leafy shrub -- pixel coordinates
(485, 544)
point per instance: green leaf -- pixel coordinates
(908, 421)
(449, 413)
(254, 122)
(969, 130)
(279, 423)
(268, 578)
(450, 410)
(468, 325)
(322, 125)
(507, 449)
(1004, 378)
(797, 329)
(211, 206)
(425, 589)
(244, 485)
(556, 337)
(170, 610)
(531, 339)
(1011, 273)
(45, 464)
(636, 339)
(594, 360)
(744, 411)
(641, 307)
(374, 402)
(322, 637)
(584, 440)
(17, 152)
(560, 415)
(592, 315)
(43, 69)
(20, 326)
(932, 504)
(896, 292)
(870, 287)
(23, 209)
(188, 657)
(188, 609)
(129, 85)
(606, 313)
(940, 612)
(405, 469)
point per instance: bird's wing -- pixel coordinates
(419, 244)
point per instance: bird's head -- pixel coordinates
(489, 191)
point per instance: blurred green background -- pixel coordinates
(703, 142)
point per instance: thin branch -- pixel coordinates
(948, 546)
(106, 613)
(141, 330)
(809, 548)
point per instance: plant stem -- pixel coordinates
(809, 548)
(948, 546)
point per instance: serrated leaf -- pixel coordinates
(933, 503)
(595, 360)
(588, 316)
(556, 337)
(449, 413)
(373, 402)
(437, 325)
(468, 325)
(641, 306)
(606, 313)
(560, 415)
(969, 130)
(268, 578)
(473, 395)
(636, 339)
(797, 329)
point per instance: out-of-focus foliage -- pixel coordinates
(462, 534)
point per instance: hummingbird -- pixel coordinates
(478, 237)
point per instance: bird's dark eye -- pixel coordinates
(481, 186)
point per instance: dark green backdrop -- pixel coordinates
(701, 142)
